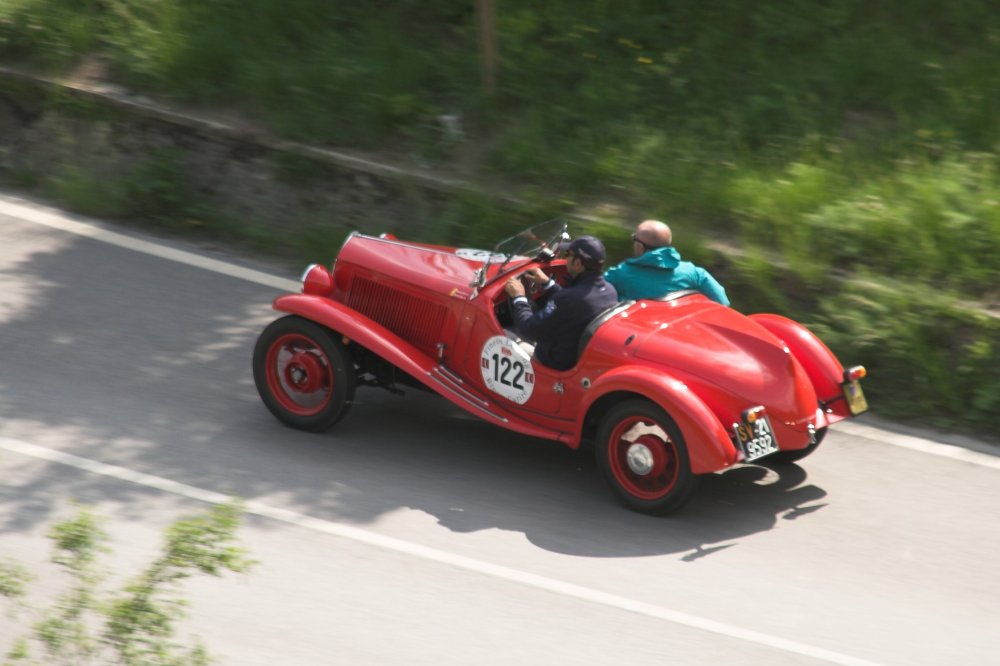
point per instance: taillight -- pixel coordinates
(855, 373)
(754, 413)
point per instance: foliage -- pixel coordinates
(823, 141)
(136, 626)
(586, 87)
(934, 221)
(13, 580)
(154, 189)
(51, 32)
(940, 355)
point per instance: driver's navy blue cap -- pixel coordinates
(588, 248)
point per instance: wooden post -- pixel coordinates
(486, 12)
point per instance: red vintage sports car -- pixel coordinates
(665, 390)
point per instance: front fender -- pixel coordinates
(408, 358)
(822, 367)
(358, 328)
(709, 445)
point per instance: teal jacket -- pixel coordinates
(659, 272)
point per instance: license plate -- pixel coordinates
(756, 439)
(855, 397)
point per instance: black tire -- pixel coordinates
(642, 455)
(303, 373)
(788, 457)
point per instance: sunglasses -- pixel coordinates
(635, 239)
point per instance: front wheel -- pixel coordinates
(642, 454)
(303, 373)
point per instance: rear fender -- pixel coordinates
(823, 369)
(709, 445)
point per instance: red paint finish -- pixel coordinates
(298, 373)
(429, 312)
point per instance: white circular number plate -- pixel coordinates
(507, 369)
(479, 255)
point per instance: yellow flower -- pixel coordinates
(645, 61)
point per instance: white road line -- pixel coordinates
(918, 444)
(55, 219)
(432, 554)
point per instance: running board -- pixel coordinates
(452, 383)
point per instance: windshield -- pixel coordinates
(523, 247)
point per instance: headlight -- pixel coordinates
(317, 280)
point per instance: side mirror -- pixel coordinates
(545, 255)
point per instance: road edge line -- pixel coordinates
(53, 219)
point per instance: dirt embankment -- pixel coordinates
(56, 129)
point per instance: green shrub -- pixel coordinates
(929, 357)
(86, 191)
(135, 626)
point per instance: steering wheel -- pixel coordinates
(531, 291)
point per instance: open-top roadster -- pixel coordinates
(665, 390)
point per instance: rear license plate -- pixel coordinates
(855, 397)
(756, 439)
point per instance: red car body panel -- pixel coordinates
(403, 355)
(421, 309)
(709, 443)
(822, 367)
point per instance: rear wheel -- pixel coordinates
(786, 457)
(642, 454)
(303, 373)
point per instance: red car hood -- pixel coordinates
(722, 348)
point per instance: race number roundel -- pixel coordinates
(507, 369)
(479, 255)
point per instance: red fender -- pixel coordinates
(709, 445)
(823, 369)
(360, 329)
(400, 353)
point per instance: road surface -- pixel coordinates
(413, 533)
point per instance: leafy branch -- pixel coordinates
(135, 626)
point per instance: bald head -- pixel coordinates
(651, 234)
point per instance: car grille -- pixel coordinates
(416, 320)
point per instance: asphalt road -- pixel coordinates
(415, 534)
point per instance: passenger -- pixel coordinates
(657, 269)
(556, 327)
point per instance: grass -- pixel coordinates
(847, 148)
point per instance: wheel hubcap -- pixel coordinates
(640, 459)
(304, 372)
(299, 374)
(643, 458)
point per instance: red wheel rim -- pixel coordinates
(299, 374)
(643, 458)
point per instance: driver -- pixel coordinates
(557, 325)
